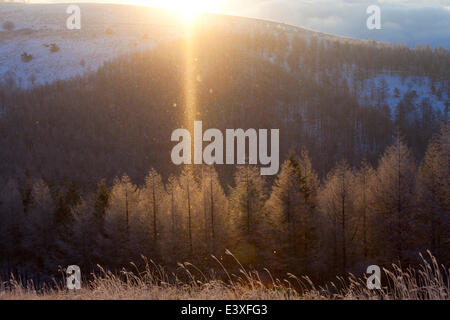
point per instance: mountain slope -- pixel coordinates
(324, 93)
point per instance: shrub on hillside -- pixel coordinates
(25, 57)
(54, 48)
(8, 26)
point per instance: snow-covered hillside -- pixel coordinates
(107, 31)
(396, 88)
(41, 49)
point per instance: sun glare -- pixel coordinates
(189, 9)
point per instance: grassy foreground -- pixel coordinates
(429, 281)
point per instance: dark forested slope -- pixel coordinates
(351, 191)
(316, 91)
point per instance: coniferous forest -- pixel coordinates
(86, 176)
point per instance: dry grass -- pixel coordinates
(429, 281)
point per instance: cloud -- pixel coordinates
(411, 22)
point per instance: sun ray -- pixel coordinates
(190, 77)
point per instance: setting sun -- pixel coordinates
(188, 10)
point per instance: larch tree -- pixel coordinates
(85, 236)
(121, 219)
(41, 222)
(67, 199)
(187, 200)
(433, 192)
(11, 220)
(174, 240)
(152, 199)
(215, 209)
(291, 209)
(283, 210)
(247, 200)
(393, 202)
(364, 179)
(98, 204)
(309, 183)
(337, 208)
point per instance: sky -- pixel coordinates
(412, 22)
